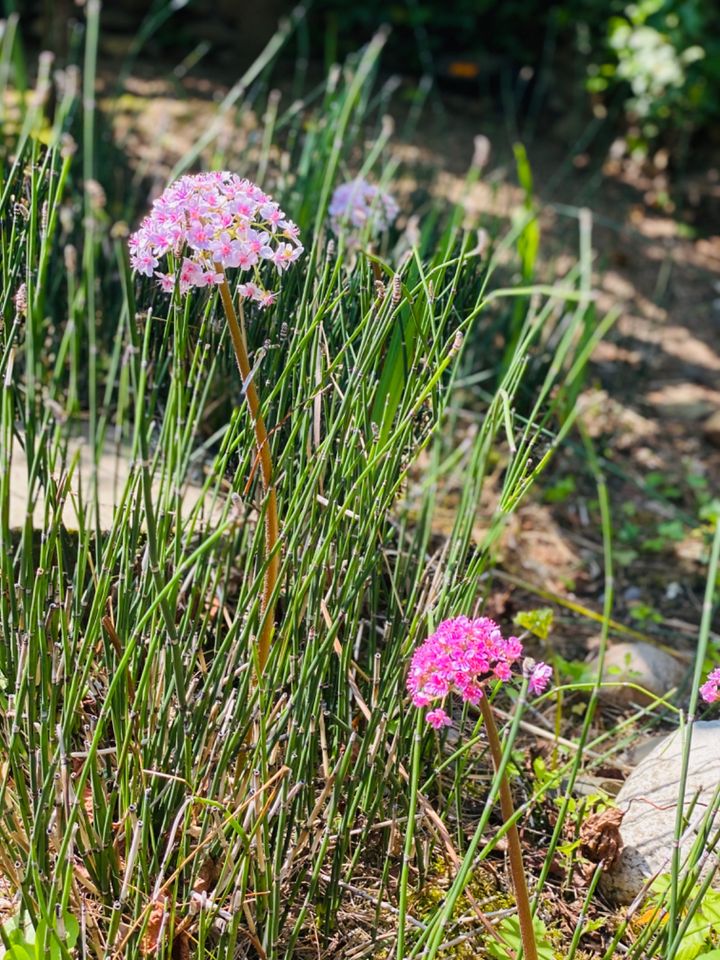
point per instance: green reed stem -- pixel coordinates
(410, 834)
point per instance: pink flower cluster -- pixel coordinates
(359, 203)
(209, 222)
(462, 656)
(710, 690)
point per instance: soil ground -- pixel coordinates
(652, 401)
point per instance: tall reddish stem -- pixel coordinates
(517, 869)
(272, 526)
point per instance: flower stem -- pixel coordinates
(517, 870)
(272, 526)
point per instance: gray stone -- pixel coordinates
(641, 664)
(632, 594)
(113, 473)
(641, 747)
(649, 800)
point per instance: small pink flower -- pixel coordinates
(245, 208)
(255, 240)
(290, 229)
(246, 258)
(211, 277)
(540, 677)
(234, 255)
(249, 291)
(710, 690)
(266, 299)
(502, 671)
(272, 213)
(144, 262)
(191, 272)
(438, 718)
(166, 281)
(513, 648)
(223, 247)
(200, 237)
(471, 691)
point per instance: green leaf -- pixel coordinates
(395, 372)
(539, 622)
(524, 170)
(711, 906)
(561, 490)
(72, 932)
(576, 670)
(509, 929)
(19, 930)
(710, 511)
(673, 529)
(692, 942)
(21, 951)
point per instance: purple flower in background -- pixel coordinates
(359, 204)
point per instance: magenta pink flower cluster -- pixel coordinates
(710, 690)
(359, 203)
(209, 222)
(462, 656)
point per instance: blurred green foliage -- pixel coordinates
(662, 58)
(656, 60)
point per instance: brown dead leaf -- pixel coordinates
(150, 941)
(88, 803)
(600, 838)
(181, 946)
(207, 876)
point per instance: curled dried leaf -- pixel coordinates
(600, 837)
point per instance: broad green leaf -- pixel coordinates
(21, 951)
(72, 931)
(509, 929)
(539, 622)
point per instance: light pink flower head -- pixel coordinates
(461, 657)
(539, 676)
(438, 718)
(710, 690)
(358, 205)
(209, 222)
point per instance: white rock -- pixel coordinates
(649, 800)
(642, 664)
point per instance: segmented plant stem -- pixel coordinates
(517, 869)
(272, 526)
